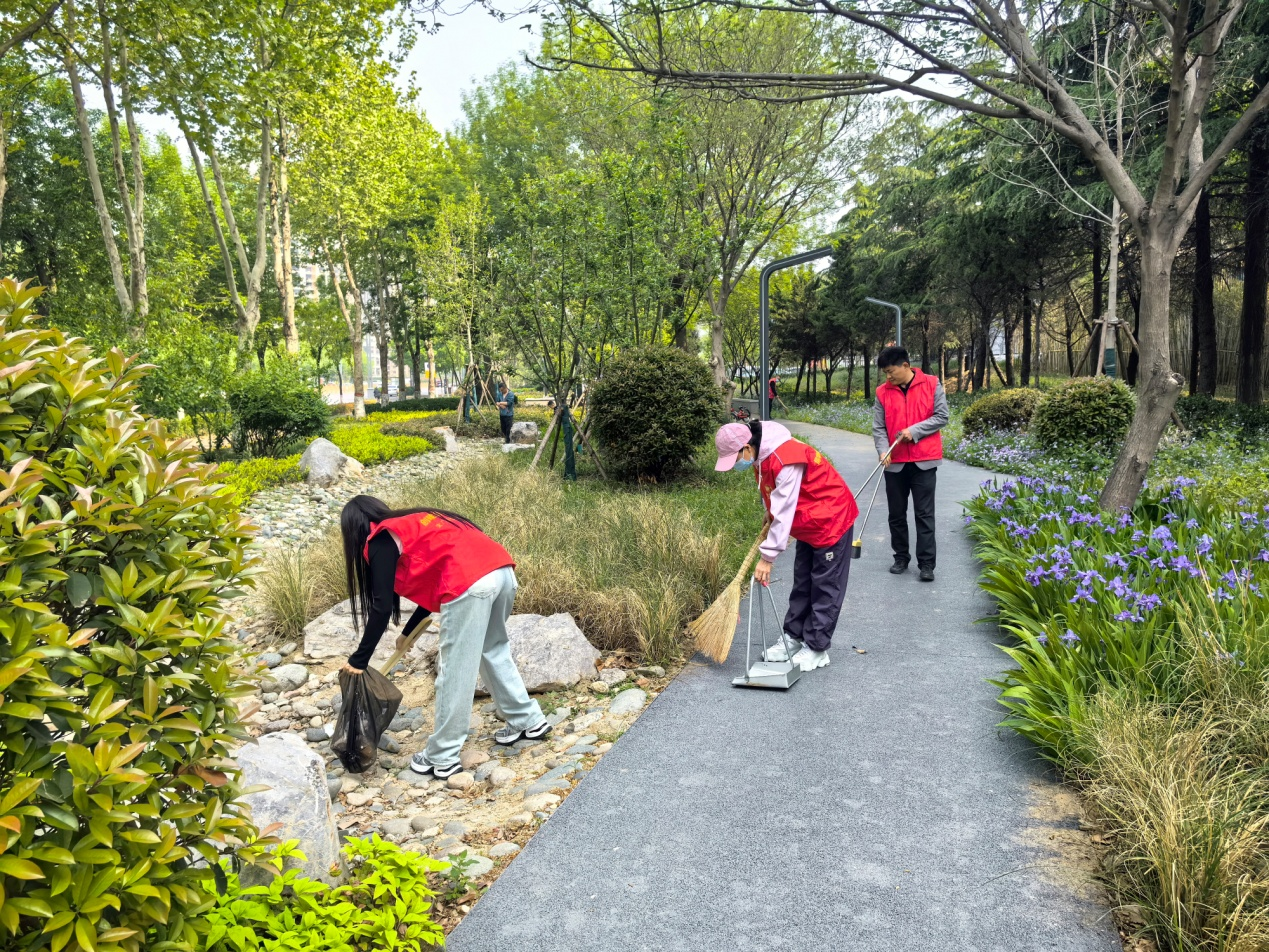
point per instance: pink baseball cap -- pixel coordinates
(730, 439)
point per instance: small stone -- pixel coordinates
(350, 784)
(306, 709)
(581, 750)
(323, 704)
(420, 823)
(603, 748)
(455, 828)
(290, 676)
(408, 776)
(523, 745)
(397, 828)
(611, 676)
(501, 776)
(288, 649)
(519, 819)
(630, 701)
(388, 744)
(559, 716)
(274, 726)
(448, 844)
(489, 708)
(315, 735)
(540, 801)
(460, 781)
(546, 786)
(651, 671)
(270, 698)
(476, 723)
(598, 687)
(334, 785)
(499, 850)
(358, 799)
(270, 659)
(478, 866)
(472, 758)
(400, 723)
(485, 769)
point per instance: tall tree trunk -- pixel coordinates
(4, 172)
(1251, 330)
(718, 307)
(867, 372)
(1160, 385)
(282, 264)
(133, 205)
(1109, 327)
(925, 342)
(431, 368)
(1098, 274)
(1009, 330)
(1203, 308)
(123, 293)
(381, 324)
(354, 319)
(1132, 366)
(850, 376)
(1026, 337)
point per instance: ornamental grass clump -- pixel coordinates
(117, 551)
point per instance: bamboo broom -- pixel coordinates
(715, 629)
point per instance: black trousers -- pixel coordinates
(919, 484)
(506, 422)
(819, 585)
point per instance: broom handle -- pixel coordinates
(405, 644)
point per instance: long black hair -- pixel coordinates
(755, 437)
(355, 521)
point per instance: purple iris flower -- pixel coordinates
(1083, 594)
(1042, 638)
(1204, 545)
(1116, 559)
(1149, 602)
(1191, 524)
(1070, 638)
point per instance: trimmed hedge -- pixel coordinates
(1089, 411)
(1205, 415)
(1010, 409)
(416, 404)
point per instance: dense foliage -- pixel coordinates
(652, 410)
(1010, 409)
(275, 408)
(384, 904)
(1089, 411)
(118, 552)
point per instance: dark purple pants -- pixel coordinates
(819, 585)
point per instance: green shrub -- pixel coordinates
(364, 443)
(652, 409)
(274, 408)
(1009, 409)
(424, 404)
(1090, 410)
(250, 476)
(1206, 415)
(423, 427)
(384, 905)
(118, 554)
(190, 370)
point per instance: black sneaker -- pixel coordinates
(420, 764)
(509, 735)
(927, 573)
(900, 566)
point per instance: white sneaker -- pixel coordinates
(808, 659)
(780, 650)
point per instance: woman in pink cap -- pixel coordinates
(807, 500)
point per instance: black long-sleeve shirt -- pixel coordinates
(381, 578)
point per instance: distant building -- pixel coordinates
(306, 278)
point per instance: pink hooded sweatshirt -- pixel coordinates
(784, 497)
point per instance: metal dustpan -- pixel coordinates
(779, 675)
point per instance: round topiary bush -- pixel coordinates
(1090, 410)
(651, 411)
(274, 408)
(1010, 409)
(118, 551)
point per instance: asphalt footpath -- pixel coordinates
(874, 806)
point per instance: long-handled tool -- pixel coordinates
(716, 627)
(857, 547)
(404, 644)
(762, 673)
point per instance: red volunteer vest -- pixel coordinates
(826, 506)
(440, 560)
(904, 411)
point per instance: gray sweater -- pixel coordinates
(931, 424)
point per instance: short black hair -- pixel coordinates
(891, 356)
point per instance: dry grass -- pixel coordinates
(631, 566)
(287, 592)
(1183, 790)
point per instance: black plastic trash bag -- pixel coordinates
(370, 703)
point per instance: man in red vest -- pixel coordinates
(911, 408)
(806, 499)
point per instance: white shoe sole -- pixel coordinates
(815, 663)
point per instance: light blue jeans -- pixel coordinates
(473, 640)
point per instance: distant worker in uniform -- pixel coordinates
(507, 401)
(911, 408)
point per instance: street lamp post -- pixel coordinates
(898, 318)
(764, 318)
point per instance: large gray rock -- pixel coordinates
(451, 441)
(551, 652)
(298, 798)
(525, 431)
(324, 464)
(331, 635)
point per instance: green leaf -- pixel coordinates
(79, 589)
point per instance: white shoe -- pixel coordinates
(780, 650)
(808, 659)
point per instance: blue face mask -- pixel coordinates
(743, 464)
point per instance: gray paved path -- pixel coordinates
(875, 806)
